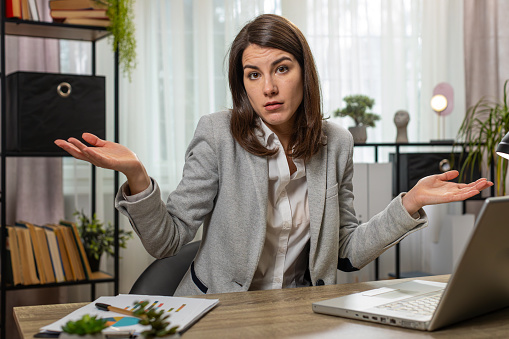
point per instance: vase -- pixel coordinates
(94, 263)
(359, 134)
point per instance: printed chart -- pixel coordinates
(183, 312)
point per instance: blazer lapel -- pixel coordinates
(316, 175)
(259, 174)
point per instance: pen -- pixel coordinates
(106, 307)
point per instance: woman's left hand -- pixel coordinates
(437, 189)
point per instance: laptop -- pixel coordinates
(478, 285)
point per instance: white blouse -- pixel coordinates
(284, 258)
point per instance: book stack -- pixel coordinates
(80, 12)
(22, 9)
(47, 254)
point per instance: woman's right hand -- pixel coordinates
(110, 155)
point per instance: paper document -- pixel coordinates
(183, 312)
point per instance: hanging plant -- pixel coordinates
(121, 26)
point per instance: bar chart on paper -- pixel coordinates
(123, 321)
(183, 312)
(159, 305)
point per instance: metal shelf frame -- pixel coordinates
(49, 30)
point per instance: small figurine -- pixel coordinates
(401, 119)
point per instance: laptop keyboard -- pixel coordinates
(423, 305)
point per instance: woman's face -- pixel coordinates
(274, 86)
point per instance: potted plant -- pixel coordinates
(482, 129)
(87, 327)
(159, 327)
(99, 238)
(357, 107)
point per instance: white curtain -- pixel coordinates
(395, 51)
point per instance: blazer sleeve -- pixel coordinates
(359, 244)
(165, 228)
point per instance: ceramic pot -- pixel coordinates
(94, 263)
(359, 134)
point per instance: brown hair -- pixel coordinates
(273, 31)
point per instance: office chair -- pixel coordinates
(164, 275)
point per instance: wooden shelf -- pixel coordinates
(97, 277)
(54, 30)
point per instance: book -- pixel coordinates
(14, 256)
(77, 4)
(56, 260)
(74, 253)
(81, 247)
(13, 9)
(87, 22)
(36, 249)
(25, 12)
(49, 273)
(9, 278)
(62, 14)
(62, 249)
(28, 267)
(34, 10)
(184, 312)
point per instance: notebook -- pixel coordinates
(478, 285)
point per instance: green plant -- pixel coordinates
(86, 325)
(356, 108)
(482, 129)
(120, 13)
(153, 318)
(97, 237)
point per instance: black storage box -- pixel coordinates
(414, 166)
(43, 107)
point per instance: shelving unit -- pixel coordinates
(49, 30)
(397, 146)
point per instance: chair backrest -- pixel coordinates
(163, 276)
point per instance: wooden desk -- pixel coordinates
(287, 313)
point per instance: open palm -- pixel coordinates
(102, 153)
(438, 189)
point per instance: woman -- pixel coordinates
(270, 181)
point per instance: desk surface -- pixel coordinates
(287, 313)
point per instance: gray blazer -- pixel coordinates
(225, 188)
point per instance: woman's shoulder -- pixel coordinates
(215, 125)
(217, 118)
(334, 131)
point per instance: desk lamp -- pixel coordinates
(503, 147)
(442, 103)
(438, 103)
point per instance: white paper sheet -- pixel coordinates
(183, 312)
